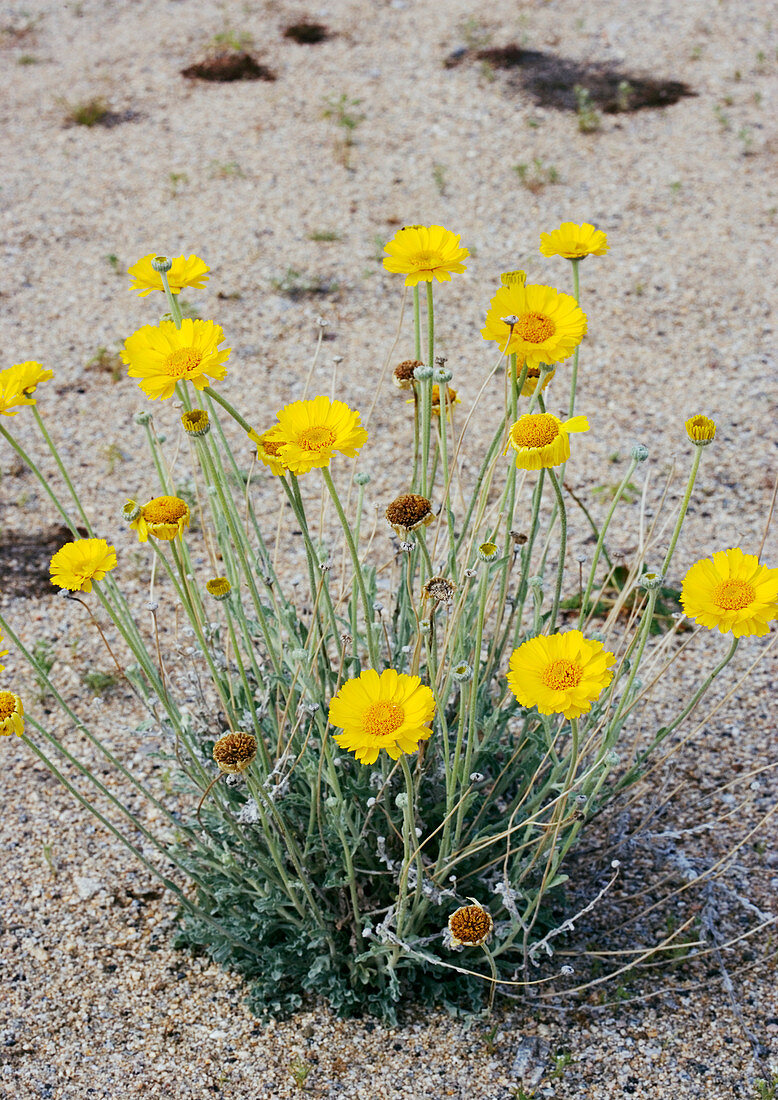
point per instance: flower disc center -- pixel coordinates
(7, 704)
(383, 718)
(425, 261)
(562, 675)
(316, 439)
(733, 595)
(534, 430)
(182, 362)
(164, 510)
(534, 327)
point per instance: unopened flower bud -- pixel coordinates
(639, 452)
(361, 478)
(422, 373)
(162, 263)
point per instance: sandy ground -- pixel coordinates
(681, 320)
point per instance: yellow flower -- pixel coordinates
(731, 591)
(78, 563)
(17, 384)
(560, 674)
(218, 587)
(161, 355)
(3, 653)
(701, 430)
(312, 431)
(196, 422)
(11, 714)
(425, 252)
(531, 380)
(549, 328)
(162, 517)
(191, 272)
(574, 241)
(268, 451)
(513, 278)
(387, 711)
(541, 440)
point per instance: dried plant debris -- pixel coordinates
(308, 33)
(25, 557)
(552, 81)
(227, 67)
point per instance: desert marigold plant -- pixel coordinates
(402, 728)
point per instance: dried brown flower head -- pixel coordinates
(470, 926)
(235, 752)
(408, 512)
(439, 589)
(402, 375)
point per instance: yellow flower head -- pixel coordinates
(191, 272)
(387, 711)
(218, 587)
(541, 439)
(560, 674)
(268, 451)
(574, 241)
(532, 378)
(701, 430)
(196, 422)
(161, 355)
(312, 431)
(78, 563)
(733, 592)
(549, 328)
(17, 384)
(11, 714)
(425, 252)
(162, 517)
(513, 278)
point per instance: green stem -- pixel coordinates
(368, 610)
(682, 513)
(562, 549)
(217, 397)
(166, 882)
(430, 328)
(601, 539)
(574, 377)
(416, 324)
(62, 470)
(172, 301)
(52, 495)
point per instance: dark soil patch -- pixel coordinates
(226, 67)
(25, 557)
(552, 80)
(307, 34)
